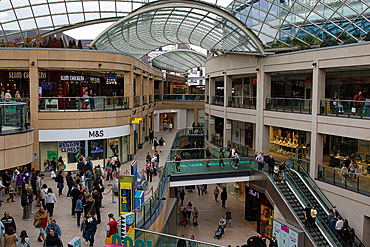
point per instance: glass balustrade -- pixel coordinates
(49, 104)
(144, 99)
(217, 140)
(14, 116)
(183, 97)
(218, 100)
(345, 108)
(157, 97)
(136, 101)
(289, 105)
(242, 102)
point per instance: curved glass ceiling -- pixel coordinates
(179, 60)
(170, 22)
(275, 22)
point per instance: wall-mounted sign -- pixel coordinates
(212, 121)
(287, 235)
(95, 79)
(69, 147)
(136, 120)
(228, 126)
(254, 193)
(110, 78)
(206, 117)
(72, 78)
(34, 157)
(25, 75)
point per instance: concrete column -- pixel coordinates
(196, 116)
(146, 88)
(131, 151)
(128, 79)
(151, 88)
(34, 105)
(317, 140)
(212, 89)
(211, 127)
(161, 89)
(228, 85)
(139, 88)
(263, 92)
(206, 91)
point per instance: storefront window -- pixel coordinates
(288, 143)
(125, 148)
(97, 149)
(16, 80)
(201, 114)
(114, 147)
(341, 149)
(291, 86)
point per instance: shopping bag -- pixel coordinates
(353, 109)
(84, 106)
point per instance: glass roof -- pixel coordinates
(179, 60)
(274, 23)
(170, 22)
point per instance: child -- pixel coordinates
(11, 193)
(83, 229)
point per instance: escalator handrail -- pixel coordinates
(292, 210)
(313, 182)
(335, 234)
(302, 204)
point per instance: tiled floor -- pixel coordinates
(210, 212)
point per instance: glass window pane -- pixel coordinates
(74, 7)
(92, 16)
(7, 16)
(23, 13)
(75, 18)
(107, 6)
(44, 22)
(92, 6)
(41, 10)
(27, 24)
(57, 8)
(60, 20)
(20, 3)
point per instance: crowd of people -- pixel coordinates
(85, 190)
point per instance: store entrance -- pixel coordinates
(168, 118)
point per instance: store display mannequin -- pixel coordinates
(274, 135)
(295, 139)
(279, 135)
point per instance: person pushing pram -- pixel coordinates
(220, 229)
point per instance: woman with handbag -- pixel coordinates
(23, 241)
(41, 221)
(90, 204)
(79, 209)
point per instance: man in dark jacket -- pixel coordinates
(8, 221)
(271, 164)
(223, 197)
(98, 198)
(90, 228)
(6, 182)
(181, 242)
(75, 195)
(81, 167)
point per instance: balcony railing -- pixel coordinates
(80, 104)
(13, 116)
(207, 99)
(289, 105)
(157, 97)
(217, 140)
(242, 102)
(184, 97)
(345, 108)
(218, 100)
(144, 98)
(345, 179)
(243, 149)
(136, 101)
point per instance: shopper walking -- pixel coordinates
(60, 182)
(89, 179)
(98, 200)
(79, 209)
(8, 221)
(271, 164)
(112, 226)
(151, 136)
(170, 126)
(10, 239)
(75, 194)
(50, 200)
(91, 227)
(313, 217)
(189, 210)
(223, 197)
(70, 183)
(39, 185)
(161, 144)
(331, 219)
(282, 171)
(25, 202)
(358, 103)
(216, 192)
(41, 221)
(52, 239)
(260, 160)
(53, 225)
(23, 240)
(221, 157)
(155, 143)
(90, 205)
(6, 182)
(236, 159)
(195, 216)
(307, 215)
(228, 217)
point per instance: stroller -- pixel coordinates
(220, 231)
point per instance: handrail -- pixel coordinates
(289, 105)
(322, 195)
(176, 237)
(344, 108)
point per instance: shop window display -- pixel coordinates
(290, 143)
(342, 149)
(114, 147)
(97, 149)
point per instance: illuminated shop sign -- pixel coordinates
(25, 75)
(69, 147)
(95, 79)
(72, 78)
(111, 78)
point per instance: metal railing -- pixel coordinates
(162, 239)
(346, 179)
(217, 140)
(13, 116)
(345, 108)
(183, 97)
(83, 104)
(157, 97)
(136, 101)
(144, 100)
(242, 102)
(289, 105)
(218, 100)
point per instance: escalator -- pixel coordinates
(316, 237)
(307, 191)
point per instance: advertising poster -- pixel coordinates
(134, 171)
(130, 225)
(285, 236)
(126, 194)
